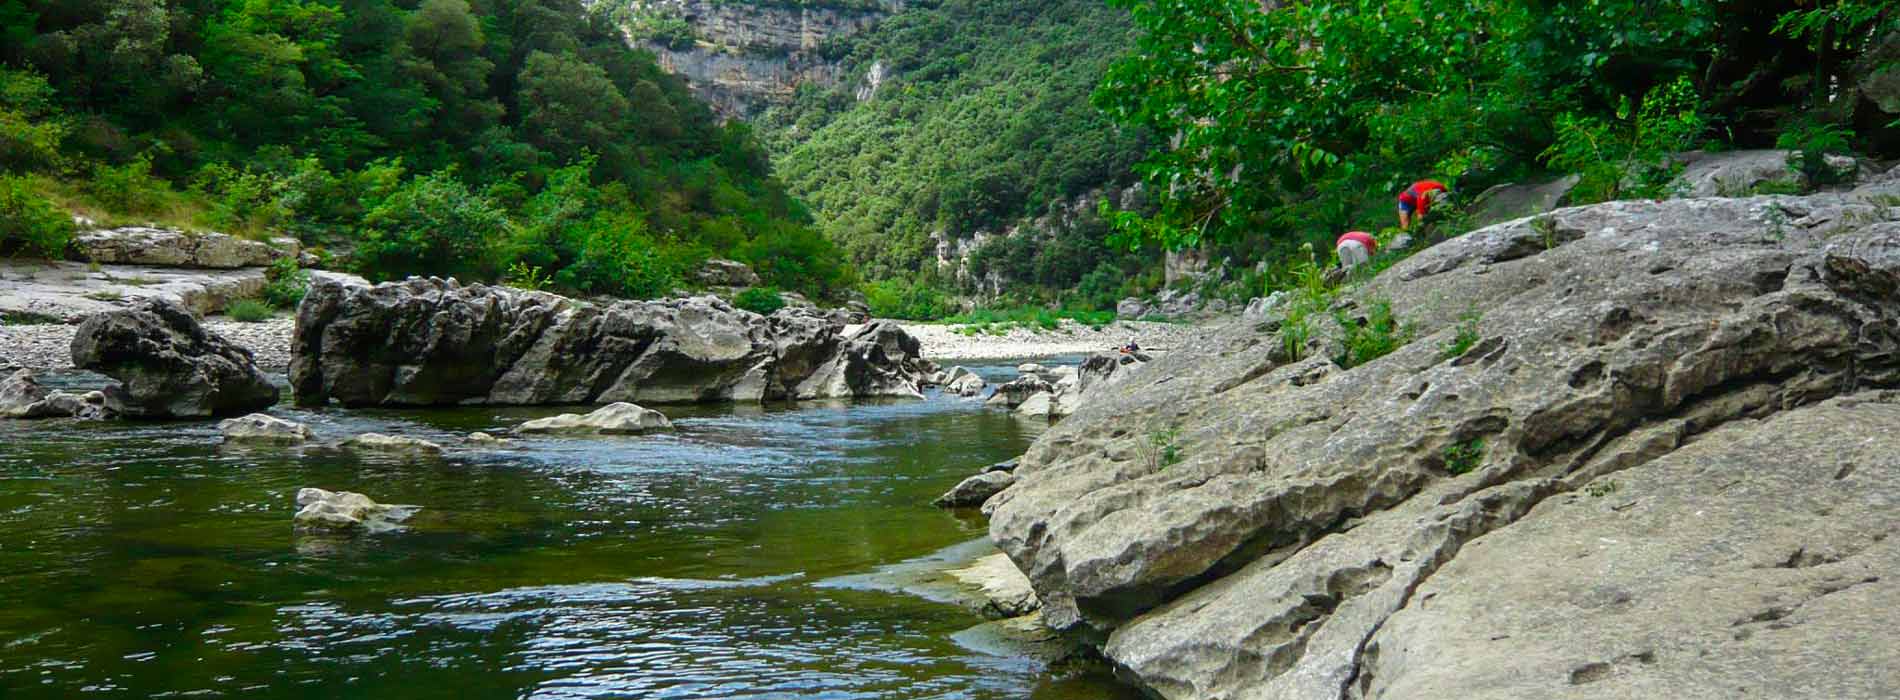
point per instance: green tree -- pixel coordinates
(569, 105)
(432, 225)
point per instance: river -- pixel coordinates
(148, 560)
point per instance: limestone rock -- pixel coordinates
(21, 396)
(1004, 589)
(1008, 465)
(1104, 368)
(1040, 405)
(173, 248)
(1240, 523)
(719, 272)
(1742, 173)
(345, 512)
(976, 489)
(424, 342)
(169, 365)
(613, 419)
(1014, 393)
(87, 406)
(1514, 201)
(393, 445)
(1028, 368)
(963, 382)
(259, 427)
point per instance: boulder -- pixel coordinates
(21, 396)
(425, 342)
(1743, 173)
(174, 248)
(1260, 309)
(1131, 308)
(87, 406)
(1029, 368)
(1105, 368)
(168, 365)
(1002, 588)
(1665, 464)
(1014, 393)
(613, 419)
(1008, 465)
(726, 273)
(976, 489)
(393, 445)
(1041, 404)
(259, 427)
(345, 513)
(1515, 201)
(963, 382)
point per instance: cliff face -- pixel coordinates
(1663, 465)
(742, 57)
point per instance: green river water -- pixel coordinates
(147, 560)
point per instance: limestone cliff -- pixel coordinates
(744, 56)
(1666, 467)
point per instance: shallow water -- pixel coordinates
(147, 560)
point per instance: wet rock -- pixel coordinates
(345, 512)
(21, 396)
(1004, 589)
(393, 445)
(258, 427)
(456, 344)
(1003, 466)
(976, 489)
(169, 365)
(612, 419)
(174, 248)
(484, 440)
(1241, 523)
(90, 405)
(1029, 368)
(1015, 392)
(963, 382)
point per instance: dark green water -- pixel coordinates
(149, 561)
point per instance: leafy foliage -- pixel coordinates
(285, 284)
(29, 224)
(1463, 457)
(249, 310)
(1632, 156)
(903, 298)
(1377, 336)
(759, 300)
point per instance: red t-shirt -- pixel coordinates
(1414, 196)
(1364, 239)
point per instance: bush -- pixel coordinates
(432, 225)
(30, 224)
(1632, 156)
(31, 127)
(616, 256)
(759, 300)
(791, 256)
(285, 284)
(128, 188)
(908, 300)
(248, 311)
(1377, 337)
(1466, 335)
(1462, 457)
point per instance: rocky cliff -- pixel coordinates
(743, 56)
(1664, 466)
(425, 342)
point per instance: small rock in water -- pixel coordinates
(259, 427)
(1005, 591)
(480, 439)
(345, 512)
(393, 444)
(1029, 368)
(1004, 466)
(613, 419)
(963, 382)
(21, 396)
(975, 490)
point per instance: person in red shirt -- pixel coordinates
(1355, 248)
(1416, 201)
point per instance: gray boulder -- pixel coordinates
(1104, 368)
(612, 419)
(168, 365)
(1514, 201)
(1646, 416)
(976, 489)
(21, 396)
(1014, 393)
(174, 248)
(395, 445)
(963, 382)
(726, 273)
(262, 428)
(345, 513)
(1041, 404)
(1743, 173)
(425, 342)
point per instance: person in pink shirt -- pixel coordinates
(1416, 201)
(1355, 248)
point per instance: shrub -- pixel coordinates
(616, 256)
(759, 300)
(1812, 142)
(431, 225)
(242, 199)
(248, 311)
(30, 224)
(907, 299)
(1462, 457)
(796, 257)
(1631, 156)
(128, 188)
(31, 127)
(1378, 336)
(285, 284)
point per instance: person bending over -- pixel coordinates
(1416, 201)
(1355, 248)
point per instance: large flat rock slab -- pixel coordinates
(69, 291)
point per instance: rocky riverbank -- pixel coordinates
(1635, 449)
(944, 342)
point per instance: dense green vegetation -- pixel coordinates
(450, 137)
(983, 119)
(1285, 127)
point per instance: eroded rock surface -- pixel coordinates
(345, 513)
(168, 365)
(1245, 524)
(434, 342)
(173, 248)
(263, 428)
(975, 490)
(394, 445)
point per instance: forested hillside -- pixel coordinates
(980, 118)
(489, 139)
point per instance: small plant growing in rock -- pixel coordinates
(1463, 457)
(285, 283)
(1466, 335)
(105, 295)
(1378, 336)
(248, 311)
(1599, 489)
(1546, 228)
(1161, 450)
(521, 275)
(759, 300)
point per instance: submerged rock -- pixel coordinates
(345, 512)
(393, 444)
(612, 419)
(259, 427)
(976, 489)
(481, 439)
(168, 365)
(427, 342)
(1631, 482)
